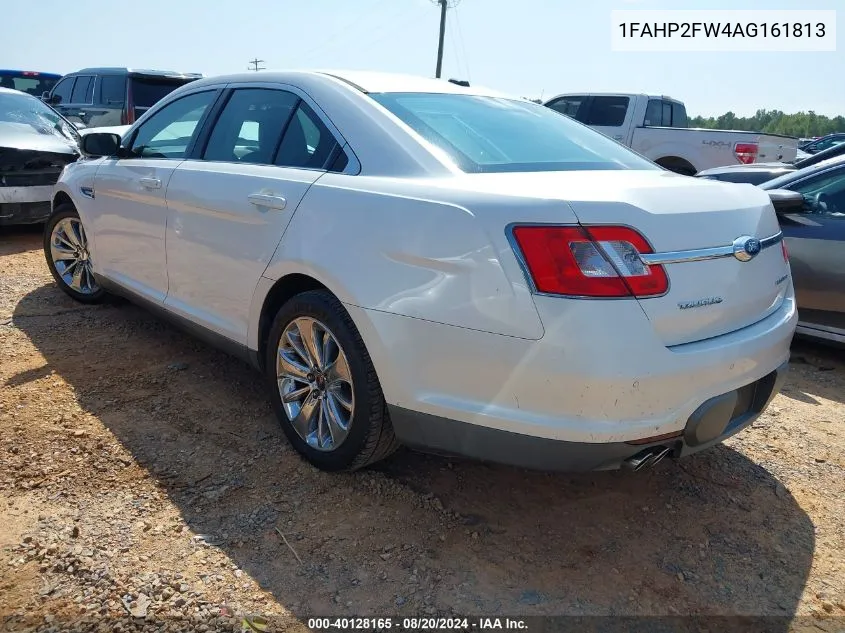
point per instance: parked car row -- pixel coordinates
(37, 140)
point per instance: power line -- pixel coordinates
(254, 63)
(444, 5)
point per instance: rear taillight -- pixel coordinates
(746, 153)
(595, 261)
(784, 250)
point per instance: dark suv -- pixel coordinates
(102, 97)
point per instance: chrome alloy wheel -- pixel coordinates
(315, 383)
(69, 251)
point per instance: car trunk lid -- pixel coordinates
(676, 214)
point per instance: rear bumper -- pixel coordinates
(711, 423)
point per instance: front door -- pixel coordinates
(816, 243)
(129, 210)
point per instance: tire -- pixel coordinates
(62, 235)
(368, 435)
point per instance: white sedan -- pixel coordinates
(409, 261)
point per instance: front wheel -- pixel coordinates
(68, 257)
(324, 388)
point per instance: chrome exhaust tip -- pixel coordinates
(647, 458)
(659, 456)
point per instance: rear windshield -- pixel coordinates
(490, 134)
(35, 84)
(147, 91)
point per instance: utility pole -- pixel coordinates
(255, 63)
(444, 4)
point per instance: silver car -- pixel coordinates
(811, 208)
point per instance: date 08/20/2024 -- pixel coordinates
(416, 624)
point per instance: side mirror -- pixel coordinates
(99, 144)
(786, 201)
(45, 96)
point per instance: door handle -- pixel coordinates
(150, 183)
(267, 200)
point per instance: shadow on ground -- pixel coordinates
(816, 371)
(714, 534)
(19, 238)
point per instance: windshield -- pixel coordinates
(490, 134)
(34, 115)
(35, 84)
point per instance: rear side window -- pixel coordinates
(568, 105)
(654, 113)
(608, 111)
(250, 126)
(83, 89)
(63, 90)
(112, 90)
(307, 142)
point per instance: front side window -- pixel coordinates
(170, 131)
(491, 134)
(824, 194)
(608, 111)
(62, 91)
(250, 126)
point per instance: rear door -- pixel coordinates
(230, 204)
(816, 241)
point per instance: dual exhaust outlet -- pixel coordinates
(647, 458)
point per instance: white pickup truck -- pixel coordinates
(656, 127)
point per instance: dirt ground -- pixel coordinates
(144, 482)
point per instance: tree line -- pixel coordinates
(801, 124)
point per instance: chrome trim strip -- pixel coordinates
(701, 254)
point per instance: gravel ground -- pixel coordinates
(145, 485)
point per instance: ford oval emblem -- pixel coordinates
(746, 248)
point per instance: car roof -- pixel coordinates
(31, 73)
(114, 70)
(803, 173)
(363, 81)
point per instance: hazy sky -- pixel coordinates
(527, 47)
